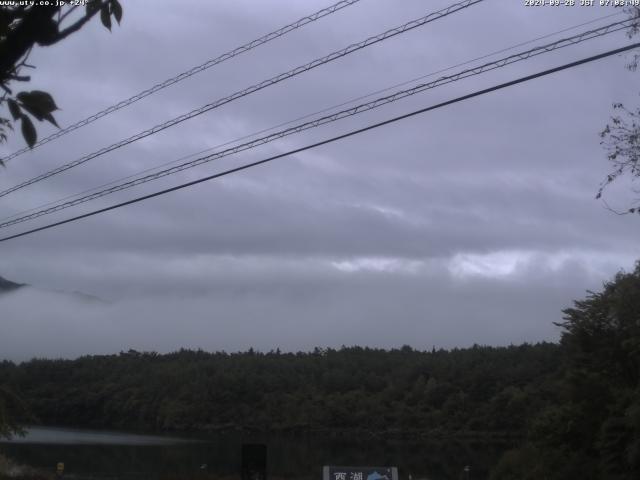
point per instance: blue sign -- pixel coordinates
(359, 473)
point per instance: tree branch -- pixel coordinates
(66, 14)
(79, 23)
(18, 42)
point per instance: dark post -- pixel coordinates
(254, 461)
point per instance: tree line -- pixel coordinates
(479, 389)
(572, 408)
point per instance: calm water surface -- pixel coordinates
(116, 455)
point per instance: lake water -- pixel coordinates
(116, 455)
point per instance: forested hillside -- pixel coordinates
(573, 408)
(480, 389)
(591, 428)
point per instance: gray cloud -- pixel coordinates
(224, 303)
(473, 223)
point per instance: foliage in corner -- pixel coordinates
(621, 136)
(11, 407)
(621, 139)
(592, 429)
(23, 27)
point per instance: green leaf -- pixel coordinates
(92, 6)
(39, 104)
(14, 108)
(40, 115)
(44, 99)
(105, 16)
(29, 131)
(34, 111)
(116, 10)
(38, 100)
(49, 118)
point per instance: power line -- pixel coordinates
(565, 42)
(4, 222)
(304, 117)
(309, 115)
(330, 140)
(254, 88)
(189, 73)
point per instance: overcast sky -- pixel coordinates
(475, 223)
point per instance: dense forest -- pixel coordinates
(480, 389)
(573, 408)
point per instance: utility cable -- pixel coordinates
(304, 117)
(189, 73)
(581, 37)
(254, 88)
(330, 140)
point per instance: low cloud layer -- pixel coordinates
(475, 223)
(229, 304)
